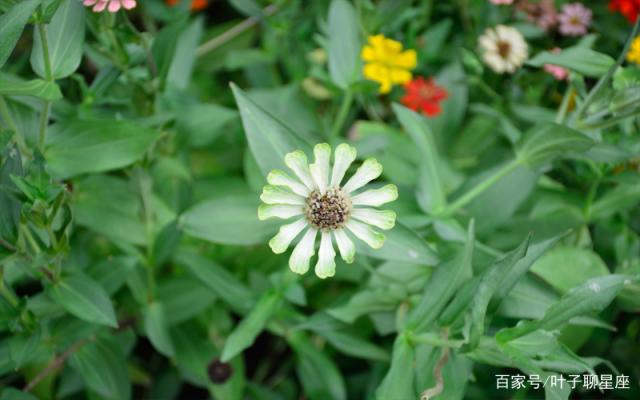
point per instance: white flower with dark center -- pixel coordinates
(323, 206)
(503, 49)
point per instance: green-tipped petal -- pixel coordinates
(367, 234)
(342, 159)
(280, 178)
(302, 253)
(279, 195)
(320, 168)
(383, 219)
(297, 162)
(376, 197)
(266, 211)
(326, 265)
(280, 242)
(368, 171)
(345, 245)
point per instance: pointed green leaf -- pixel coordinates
(156, 327)
(430, 191)
(269, 139)
(65, 37)
(547, 141)
(84, 298)
(578, 58)
(344, 43)
(37, 88)
(250, 327)
(12, 24)
(81, 146)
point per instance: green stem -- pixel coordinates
(345, 106)
(564, 107)
(48, 71)
(601, 83)
(481, 187)
(44, 120)
(7, 293)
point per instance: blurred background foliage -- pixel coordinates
(132, 263)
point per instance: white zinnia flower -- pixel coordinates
(326, 208)
(503, 49)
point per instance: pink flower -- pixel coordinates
(574, 19)
(557, 71)
(498, 2)
(113, 5)
(542, 13)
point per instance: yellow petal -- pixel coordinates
(407, 59)
(400, 76)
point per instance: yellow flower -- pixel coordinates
(634, 53)
(386, 63)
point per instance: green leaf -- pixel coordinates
(401, 244)
(65, 39)
(82, 146)
(250, 327)
(22, 348)
(567, 267)
(579, 59)
(430, 191)
(398, 383)
(103, 368)
(9, 205)
(164, 49)
(621, 198)
(217, 279)
(37, 88)
(488, 285)
(15, 394)
(84, 298)
(203, 123)
(547, 141)
(247, 7)
(442, 285)
(228, 219)
(344, 43)
(183, 298)
(181, 68)
(11, 26)
(269, 139)
(320, 377)
(156, 328)
(592, 296)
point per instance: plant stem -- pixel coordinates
(8, 294)
(44, 120)
(48, 72)
(55, 364)
(431, 392)
(230, 34)
(564, 107)
(345, 106)
(481, 187)
(600, 84)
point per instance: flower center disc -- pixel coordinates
(504, 48)
(328, 211)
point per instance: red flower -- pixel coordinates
(196, 5)
(424, 95)
(628, 8)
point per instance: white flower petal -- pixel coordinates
(320, 168)
(280, 242)
(368, 171)
(383, 219)
(342, 159)
(279, 195)
(367, 234)
(266, 211)
(376, 197)
(345, 245)
(326, 265)
(280, 178)
(297, 162)
(302, 253)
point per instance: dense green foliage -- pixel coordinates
(134, 147)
